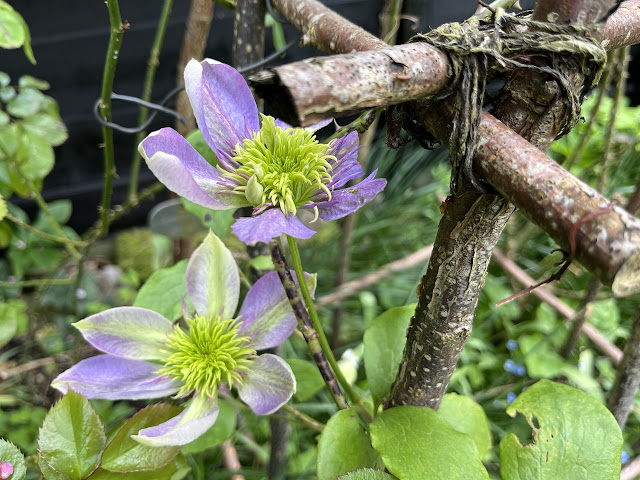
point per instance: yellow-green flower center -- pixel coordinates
(282, 167)
(211, 352)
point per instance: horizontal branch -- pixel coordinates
(543, 293)
(310, 90)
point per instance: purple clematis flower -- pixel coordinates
(147, 356)
(265, 164)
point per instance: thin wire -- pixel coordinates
(276, 16)
(160, 107)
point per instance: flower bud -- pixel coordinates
(254, 191)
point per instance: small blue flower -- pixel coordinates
(509, 365)
(512, 345)
(624, 458)
(520, 370)
(511, 397)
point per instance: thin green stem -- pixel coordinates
(56, 226)
(150, 76)
(47, 236)
(113, 51)
(37, 282)
(360, 124)
(315, 321)
(305, 419)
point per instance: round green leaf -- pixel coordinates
(72, 437)
(345, 446)
(4, 118)
(12, 34)
(35, 156)
(219, 432)
(49, 128)
(11, 454)
(417, 443)
(468, 417)
(366, 474)
(27, 81)
(575, 437)
(5, 79)
(164, 290)
(7, 93)
(308, 378)
(384, 342)
(26, 103)
(124, 454)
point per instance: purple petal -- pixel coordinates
(312, 128)
(266, 314)
(128, 332)
(348, 200)
(222, 104)
(267, 225)
(115, 378)
(345, 149)
(197, 418)
(183, 171)
(213, 281)
(268, 385)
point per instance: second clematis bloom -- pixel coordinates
(147, 356)
(266, 164)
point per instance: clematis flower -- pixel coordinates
(147, 356)
(276, 169)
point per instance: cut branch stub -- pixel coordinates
(306, 92)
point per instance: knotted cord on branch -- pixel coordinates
(478, 50)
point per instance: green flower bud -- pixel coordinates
(254, 191)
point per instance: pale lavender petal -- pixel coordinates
(183, 171)
(197, 418)
(268, 385)
(266, 314)
(128, 332)
(213, 281)
(312, 128)
(267, 225)
(348, 200)
(115, 378)
(223, 105)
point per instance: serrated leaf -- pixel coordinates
(51, 129)
(11, 454)
(384, 342)
(417, 443)
(164, 290)
(308, 378)
(35, 156)
(48, 472)
(366, 474)
(26, 103)
(72, 437)
(219, 432)
(575, 437)
(165, 473)
(124, 454)
(345, 446)
(468, 417)
(10, 139)
(27, 81)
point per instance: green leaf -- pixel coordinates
(72, 437)
(219, 221)
(12, 33)
(27, 81)
(165, 473)
(49, 128)
(261, 263)
(345, 446)
(8, 326)
(35, 156)
(3, 208)
(11, 454)
(48, 472)
(10, 139)
(7, 93)
(575, 437)
(468, 417)
(124, 454)
(26, 103)
(198, 142)
(366, 474)
(164, 290)
(219, 432)
(417, 443)
(308, 378)
(5, 235)
(384, 341)
(60, 211)
(5, 79)
(4, 118)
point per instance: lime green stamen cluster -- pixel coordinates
(283, 167)
(210, 353)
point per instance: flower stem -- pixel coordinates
(311, 336)
(47, 236)
(322, 339)
(150, 75)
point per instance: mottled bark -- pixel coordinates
(248, 32)
(193, 46)
(305, 92)
(628, 377)
(623, 26)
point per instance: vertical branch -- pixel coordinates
(193, 46)
(113, 51)
(248, 32)
(309, 333)
(150, 76)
